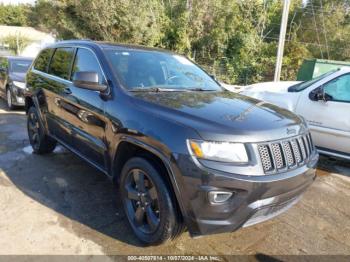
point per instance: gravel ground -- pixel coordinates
(57, 204)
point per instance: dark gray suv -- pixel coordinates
(13, 71)
(184, 152)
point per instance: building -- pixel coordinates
(38, 39)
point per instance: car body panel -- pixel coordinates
(223, 116)
(272, 92)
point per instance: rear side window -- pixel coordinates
(61, 62)
(43, 59)
(85, 60)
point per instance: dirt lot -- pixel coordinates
(57, 204)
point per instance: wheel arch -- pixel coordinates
(130, 147)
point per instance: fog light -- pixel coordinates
(219, 197)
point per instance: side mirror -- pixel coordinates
(88, 80)
(319, 94)
(214, 78)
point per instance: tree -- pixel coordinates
(14, 15)
(16, 43)
(236, 40)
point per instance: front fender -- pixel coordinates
(175, 177)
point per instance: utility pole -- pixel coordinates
(281, 41)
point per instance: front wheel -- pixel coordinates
(148, 203)
(40, 142)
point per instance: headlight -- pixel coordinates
(21, 85)
(218, 151)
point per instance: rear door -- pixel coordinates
(57, 92)
(330, 121)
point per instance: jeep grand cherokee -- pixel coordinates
(184, 152)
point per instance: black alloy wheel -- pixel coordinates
(148, 202)
(142, 201)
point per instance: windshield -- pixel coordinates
(152, 70)
(303, 85)
(20, 66)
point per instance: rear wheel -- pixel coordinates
(40, 142)
(148, 203)
(9, 99)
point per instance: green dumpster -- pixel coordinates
(312, 68)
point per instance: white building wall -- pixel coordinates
(34, 48)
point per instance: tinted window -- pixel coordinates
(150, 69)
(85, 60)
(339, 89)
(42, 61)
(61, 62)
(20, 66)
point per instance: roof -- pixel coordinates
(106, 45)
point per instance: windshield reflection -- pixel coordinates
(150, 70)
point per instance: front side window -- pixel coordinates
(61, 62)
(339, 88)
(43, 59)
(85, 61)
(20, 66)
(139, 69)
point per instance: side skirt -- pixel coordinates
(99, 168)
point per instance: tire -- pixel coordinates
(10, 105)
(40, 142)
(149, 206)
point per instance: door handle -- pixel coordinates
(67, 91)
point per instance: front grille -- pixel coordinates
(285, 154)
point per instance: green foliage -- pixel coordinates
(232, 39)
(15, 15)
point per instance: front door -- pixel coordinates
(86, 109)
(329, 121)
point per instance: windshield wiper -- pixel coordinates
(153, 89)
(199, 89)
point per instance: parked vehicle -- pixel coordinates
(12, 79)
(323, 101)
(183, 151)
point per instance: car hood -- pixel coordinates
(274, 87)
(275, 93)
(223, 115)
(20, 77)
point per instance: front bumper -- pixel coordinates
(255, 198)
